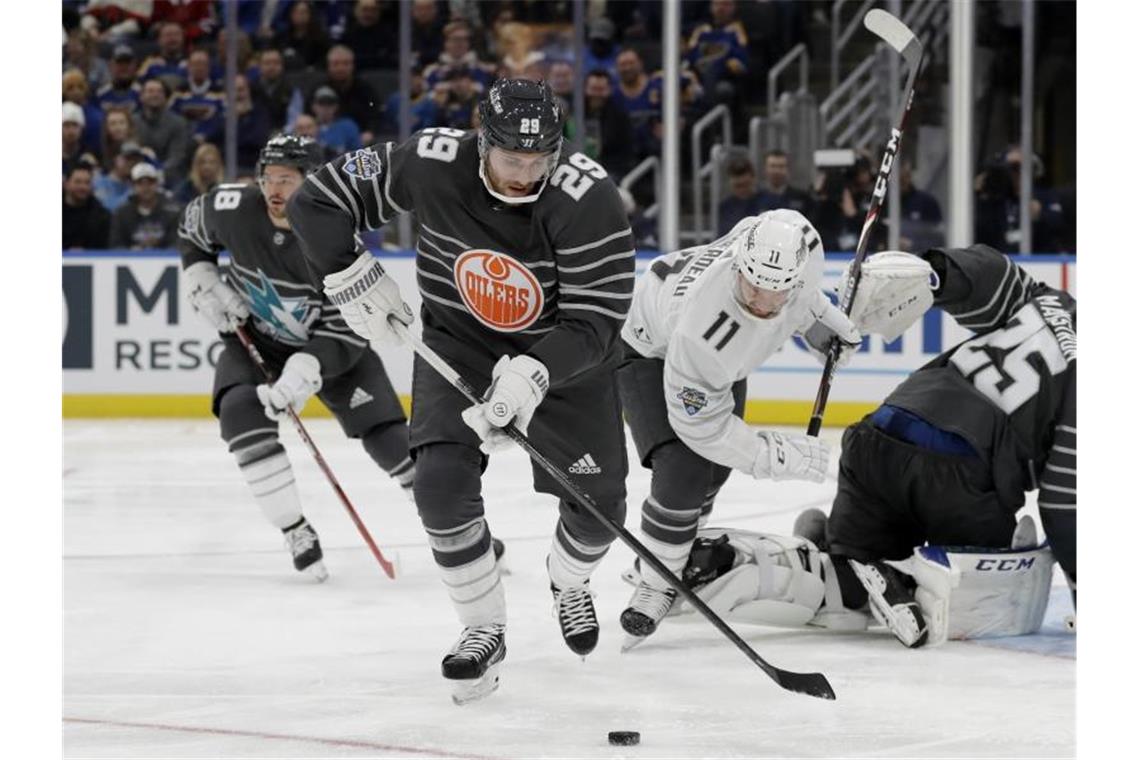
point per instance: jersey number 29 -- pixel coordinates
(440, 143)
(577, 176)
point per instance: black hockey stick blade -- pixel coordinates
(895, 33)
(812, 684)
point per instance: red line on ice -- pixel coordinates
(283, 737)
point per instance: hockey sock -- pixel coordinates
(669, 534)
(475, 588)
(388, 447)
(266, 468)
(853, 592)
(571, 562)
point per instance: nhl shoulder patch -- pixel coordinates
(362, 164)
(693, 400)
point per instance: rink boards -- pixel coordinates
(132, 346)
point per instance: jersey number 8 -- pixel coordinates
(440, 143)
(577, 176)
(225, 200)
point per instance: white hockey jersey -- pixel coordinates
(685, 312)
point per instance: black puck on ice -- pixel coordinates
(624, 738)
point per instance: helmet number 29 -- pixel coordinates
(577, 176)
(440, 143)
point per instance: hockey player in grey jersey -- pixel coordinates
(525, 263)
(300, 335)
(702, 320)
(949, 456)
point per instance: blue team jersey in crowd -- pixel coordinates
(711, 48)
(108, 96)
(204, 110)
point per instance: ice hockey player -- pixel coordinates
(298, 332)
(949, 456)
(702, 319)
(525, 264)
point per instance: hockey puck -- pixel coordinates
(624, 738)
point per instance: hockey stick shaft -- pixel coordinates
(813, 684)
(902, 40)
(255, 356)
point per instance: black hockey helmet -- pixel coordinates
(303, 153)
(520, 115)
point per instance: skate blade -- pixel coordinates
(631, 642)
(902, 624)
(472, 690)
(318, 571)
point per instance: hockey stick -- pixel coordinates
(255, 355)
(903, 40)
(812, 684)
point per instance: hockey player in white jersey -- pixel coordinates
(701, 321)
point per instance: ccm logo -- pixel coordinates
(1005, 565)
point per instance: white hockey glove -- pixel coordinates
(300, 379)
(366, 295)
(518, 385)
(791, 456)
(895, 289)
(829, 322)
(216, 301)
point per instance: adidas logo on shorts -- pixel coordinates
(359, 398)
(585, 466)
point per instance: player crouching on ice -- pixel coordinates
(949, 456)
(299, 333)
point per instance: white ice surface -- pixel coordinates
(188, 633)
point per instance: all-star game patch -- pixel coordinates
(693, 400)
(363, 164)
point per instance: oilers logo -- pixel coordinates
(286, 320)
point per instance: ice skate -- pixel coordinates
(473, 663)
(306, 549)
(646, 609)
(574, 608)
(892, 602)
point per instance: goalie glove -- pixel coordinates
(790, 456)
(518, 385)
(829, 322)
(217, 302)
(895, 289)
(300, 379)
(366, 297)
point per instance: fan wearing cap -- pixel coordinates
(148, 219)
(701, 321)
(336, 132)
(123, 89)
(300, 335)
(525, 267)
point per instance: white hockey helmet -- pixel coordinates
(773, 252)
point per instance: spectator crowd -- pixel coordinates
(144, 102)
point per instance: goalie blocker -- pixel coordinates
(965, 592)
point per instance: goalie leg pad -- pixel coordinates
(971, 593)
